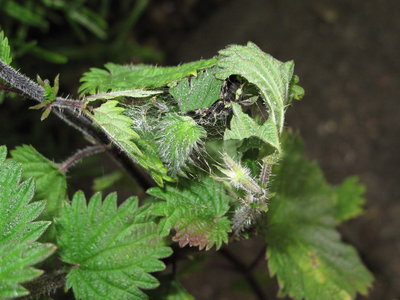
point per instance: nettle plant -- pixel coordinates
(207, 141)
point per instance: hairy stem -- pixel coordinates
(69, 111)
(46, 285)
(79, 155)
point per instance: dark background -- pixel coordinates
(347, 56)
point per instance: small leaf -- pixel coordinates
(118, 126)
(19, 250)
(197, 92)
(5, 52)
(141, 149)
(195, 211)
(125, 77)
(178, 137)
(269, 75)
(112, 249)
(24, 15)
(51, 183)
(349, 199)
(243, 126)
(305, 251)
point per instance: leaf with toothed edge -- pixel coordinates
(51, 183)
(243, 126)
(118, 126)
(271, 76)
(113, 249)
(177, 138)
(19, 249)
(123, 77)
(197, 213)
(305, 250)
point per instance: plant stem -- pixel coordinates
(74, 117)
(45, 285)
(245, 271)
(79, 155)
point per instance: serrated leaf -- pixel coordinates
(196, 211)
(5, 52)
(349, 199)
(118, 126)
(269, 75)
(142, 149)
(137, 93)
(305, 251)
(197, 92)
(178, 137)
(113, 249)
(51, 183)
(125, 77)
(19, 250)
(243, 126)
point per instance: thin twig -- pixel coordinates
(75, 118)
(79, 155)
(245, 272)
(257, 259)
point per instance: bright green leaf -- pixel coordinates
(142, 149)
(269, 75)
(5, 52)
(126, 77)
(113, 249)
(111, 119)
(196, 212)
(197, 92)
(305, 251)
(349, 199)
(19, 250)
(50, 182)
(243, 127)
(178, 137)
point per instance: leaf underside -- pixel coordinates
(113, 249)
(19, 250)
(243, 126)
(271, 76)
(196, 212)
(305, 251)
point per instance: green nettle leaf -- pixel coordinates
(118, 126)
(178, 137)
(196, 212)
(137, 93)
(19, 250)
(112, 249)
(5, 52)
(349, 199)
(271, 76)
(243, 127)
(304, 248)
(197, 92)
(51, 183)
(126, 77)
